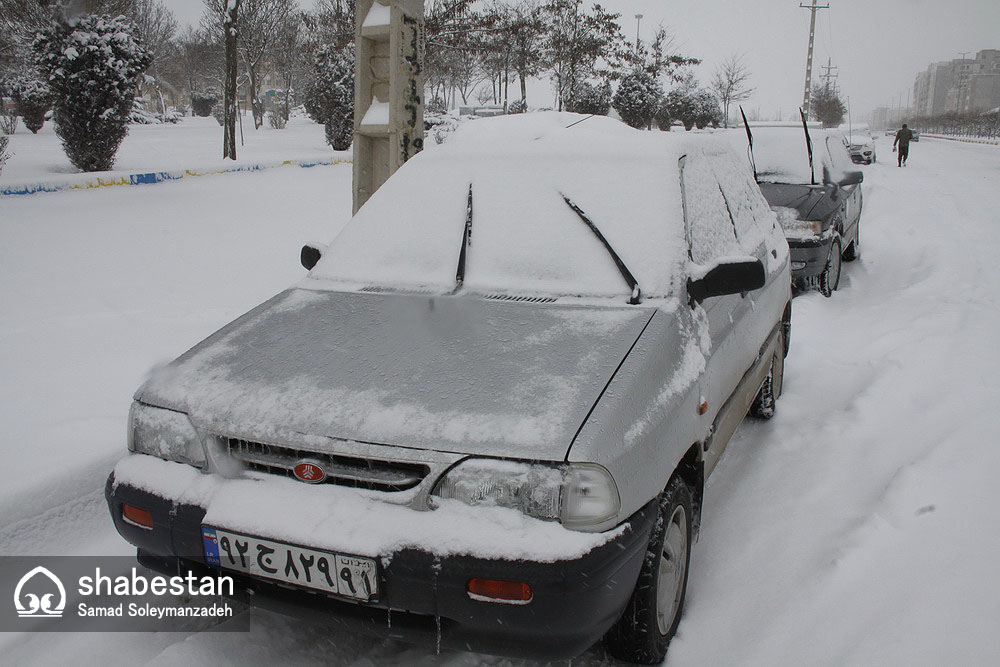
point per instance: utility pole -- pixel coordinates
(829, 74)
(813, 8)
(638, 19)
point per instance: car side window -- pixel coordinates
(840, 158)
(710, 226)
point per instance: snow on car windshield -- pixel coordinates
(525, 238)
(781, 155)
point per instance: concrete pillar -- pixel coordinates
(388, 90)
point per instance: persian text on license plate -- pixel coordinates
(350, 576)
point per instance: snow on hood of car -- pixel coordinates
(455, 374)
(353, 521)
(524, 237)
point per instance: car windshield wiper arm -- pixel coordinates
(466, 241)
(626, 274)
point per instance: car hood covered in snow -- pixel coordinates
(459, 374)
(811, 202)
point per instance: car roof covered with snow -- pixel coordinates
(518, 175)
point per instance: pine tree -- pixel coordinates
(32, 100)
(826, 107)
(637, 99)
(591, 99)
(94, 66)
(330, 95)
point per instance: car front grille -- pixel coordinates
(361, 473)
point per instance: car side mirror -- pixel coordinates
(311, 254)
(734, 275)
(852, 178)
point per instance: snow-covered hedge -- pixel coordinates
(94, 66)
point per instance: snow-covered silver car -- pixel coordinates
(862, 147)
(488, 413)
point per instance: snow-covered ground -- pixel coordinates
(858, 527)
(194, 144)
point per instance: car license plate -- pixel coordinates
(338, 574)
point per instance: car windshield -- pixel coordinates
(524, 236)
(781, 156)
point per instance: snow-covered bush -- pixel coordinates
(439, 126)
(219, 113)
(681, 104)
(436, 105)
(707, 111)
(8, 120)
(202, 101)
(637, 99)
(330, 94)
(94, 66)
(142, 116)
(663, 119)
(517, 106)
(32, 100)
(276, 119)
(591, 99)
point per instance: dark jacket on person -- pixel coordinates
(903, 137)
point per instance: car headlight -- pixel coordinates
(164, 433)
(813, 226)
(580, 495)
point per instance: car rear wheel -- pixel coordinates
(829, 280)
(764, 403)
(652, 614)
(852, 251)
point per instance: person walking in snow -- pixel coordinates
(903, 139)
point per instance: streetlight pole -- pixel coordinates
(638, 19)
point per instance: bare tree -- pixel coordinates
(198, 63)
(155, 27)
(230, 31)
(729, 83)
(289, 59)
(577, 41)
(330, 22)
(259, 23)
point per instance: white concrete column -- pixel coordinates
(388, 90)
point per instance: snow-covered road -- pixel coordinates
(858, 527)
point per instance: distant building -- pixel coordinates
(963, 84)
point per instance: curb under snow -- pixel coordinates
(152, 177)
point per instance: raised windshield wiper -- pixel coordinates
(626, 274)
(809, 147)
(466, 240)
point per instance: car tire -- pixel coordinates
(852, 252)
(829, 280)
(764, 403)
(652, 614)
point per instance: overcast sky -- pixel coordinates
(878, 45)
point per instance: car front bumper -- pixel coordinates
(809, 257)
(423, 598)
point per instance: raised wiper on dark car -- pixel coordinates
(626, 274)
(466, 240)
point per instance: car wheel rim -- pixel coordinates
(673, 567)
